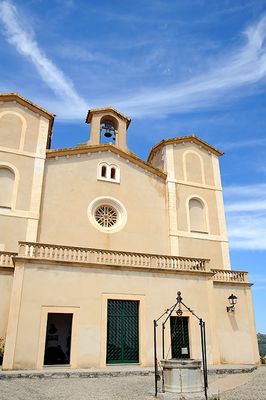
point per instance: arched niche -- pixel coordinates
(12, 130)
(7, 186)
(193, 167)
(198, 219)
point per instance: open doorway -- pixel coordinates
(179, 337)
(58, 339)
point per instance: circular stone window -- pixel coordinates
(107, 214)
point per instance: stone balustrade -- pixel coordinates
(69, 254)
(6, 259)
(223, 275)
(80, 255)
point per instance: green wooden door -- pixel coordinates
(179, 337)
(122, 331)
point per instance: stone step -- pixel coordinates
(59, 372)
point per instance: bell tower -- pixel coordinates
(108, 126)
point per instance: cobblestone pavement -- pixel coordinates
(122, 388)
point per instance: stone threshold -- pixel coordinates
(110, 371)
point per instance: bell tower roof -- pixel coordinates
(106, 110)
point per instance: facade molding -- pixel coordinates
(202, 236)
(195, 185)
(19, 152)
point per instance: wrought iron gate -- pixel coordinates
(122, 331)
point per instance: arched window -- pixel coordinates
(108, 172)
(197, 216)
(7, 180)
(103, 173)
(113, 172)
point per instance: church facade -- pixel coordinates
(95, 243)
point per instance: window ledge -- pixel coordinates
(200, 232)
(108, 180)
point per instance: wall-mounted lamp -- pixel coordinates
(232, 301)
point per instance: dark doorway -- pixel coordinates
(179, 337)
(122, 331)
(58, 339)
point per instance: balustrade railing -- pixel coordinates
(223, 275)
(105, 257)
(6, 259)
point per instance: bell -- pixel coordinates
(107, 133)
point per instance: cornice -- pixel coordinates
(183, 139)
(106, 109)
(106, 147)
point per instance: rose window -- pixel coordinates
(106, 216)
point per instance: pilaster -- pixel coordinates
(172, 200)
(13, 318)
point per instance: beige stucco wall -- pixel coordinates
(202, 248)
(236, 331)
(233, 336)
(157, 160)
(71, 185)
(23, 138)
(12, 230)
(89, 290)
(6, 280)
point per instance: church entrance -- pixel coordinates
(58, 339)
(122, 331)
(179, 337)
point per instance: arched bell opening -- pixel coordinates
(108, 130)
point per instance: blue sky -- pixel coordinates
(176, 68)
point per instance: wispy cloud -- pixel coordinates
(245, 208)
(27, 46)
(226, 78)
(241, 144)
(244, 67)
